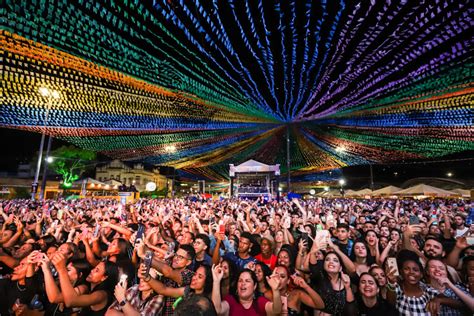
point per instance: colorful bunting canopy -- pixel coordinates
(201, 84)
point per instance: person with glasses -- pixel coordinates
(175, 271)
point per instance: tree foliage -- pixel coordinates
(70, 162)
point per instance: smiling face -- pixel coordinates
(246, 286)
(181, 259)
(436, 268)
(283, 258)
(199, 280)
(433, 249)
(411, 272)
(368, 286)
(332, 264)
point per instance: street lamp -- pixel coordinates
(51, 95)
(49, 159)
(342, 182)
(449, 174)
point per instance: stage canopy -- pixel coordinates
(199, 85)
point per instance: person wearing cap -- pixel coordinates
(266, 255)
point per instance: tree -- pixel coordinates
(70, 162)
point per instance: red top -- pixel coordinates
(271, 263)
(257, 308)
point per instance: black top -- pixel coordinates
(87, 311)
(381, 308)
(334, 301)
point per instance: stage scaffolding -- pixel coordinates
(253, 179)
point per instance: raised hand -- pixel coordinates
(119, 292)
(33, 257)
(443, 280)
(302, 245)
(299, 281)
(346, 280)
(59, 261)
(217, 272)
(141, 271)
(461, 243)
(251, 265)
(274, 281)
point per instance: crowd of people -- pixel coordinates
(237, 257)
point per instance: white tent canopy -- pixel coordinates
(363, 192)
(425, 190)
(462, 192)
(254, 166)
(388, 190)
(350, 193)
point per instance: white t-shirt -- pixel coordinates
(461, 232)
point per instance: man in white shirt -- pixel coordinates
(461, 228)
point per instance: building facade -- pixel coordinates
(131, 175)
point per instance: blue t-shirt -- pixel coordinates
(239, 262)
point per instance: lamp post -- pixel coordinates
(51, 95)
(341, 183)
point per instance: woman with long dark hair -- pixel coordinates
(361, 257)
(295, 292)
(139, 299)
(201, 283)
(262, 271)
(229, 280)
(102, 278)
(369, 301)
(333, 285)
(77, 271)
